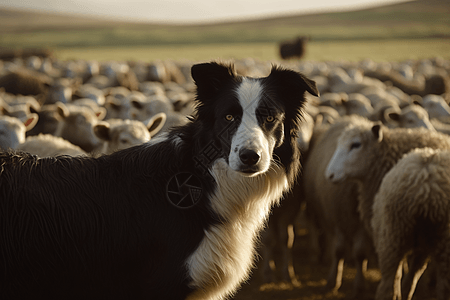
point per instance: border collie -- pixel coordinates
(176, 218)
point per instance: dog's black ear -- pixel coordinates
(210, 77)
(310, 85)
(294, 80)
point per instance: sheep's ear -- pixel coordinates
(100, 113)
(210, 77)
(62, 110)
(391, 114)
(113, 103)
(137, 104)
(102, 131)
(155, 123)
(31, 121)
(417, 102)
(377, 131)
(416, 99)
(6, 109)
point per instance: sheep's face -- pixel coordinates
(352, 157)
(412, 116)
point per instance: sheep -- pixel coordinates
(435, 84)
(357, 104)
(62, 90)
(29, 100)
(72, 122)
(12, 131)
(174, 72)
(47, 145)
(367, 150)
(50, 117)
(355, 86)
(99, 111)
(33, 63)
(140, 69)
(333, 99)
(293, 49)
(118, 103)
(25, 82)
(77, 127)
(120, 74)
(150, 88)
(118, 108)
(381, 102)
(327, 114)
(91, 92)
(411, 218)
(120, 134)
(410, 116)
(146, 109)
(143, 108)
(21, 111)
(157, 72)
(332, 209)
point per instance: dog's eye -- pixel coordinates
(270, 119)
(229, 118)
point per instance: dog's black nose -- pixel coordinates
(249, 157)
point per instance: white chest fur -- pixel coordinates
(226, 254)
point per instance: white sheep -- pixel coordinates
(120, 134)
(75, 123)
(150, 88)
(47, 145)
(142, 109)
(91, 92)
(118, 103)
(13, 130)
(411, 217)
(411, 116)
(118, 108)
(357, 104)
(367, 150)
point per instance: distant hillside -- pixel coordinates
(19, 21)
(408, 20)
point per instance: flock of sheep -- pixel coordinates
(375, 148)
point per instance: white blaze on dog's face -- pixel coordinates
(260, 129)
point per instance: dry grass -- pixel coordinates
(389, 50)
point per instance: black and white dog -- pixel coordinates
(175, 218)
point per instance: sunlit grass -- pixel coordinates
(384, 50)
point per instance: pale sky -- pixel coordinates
(190, 10)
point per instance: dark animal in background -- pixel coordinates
(294, 49)
(104, 228)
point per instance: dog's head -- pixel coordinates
(250, 121)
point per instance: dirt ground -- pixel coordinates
(312, 279)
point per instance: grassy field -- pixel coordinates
(387, 50)
(410, 30)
